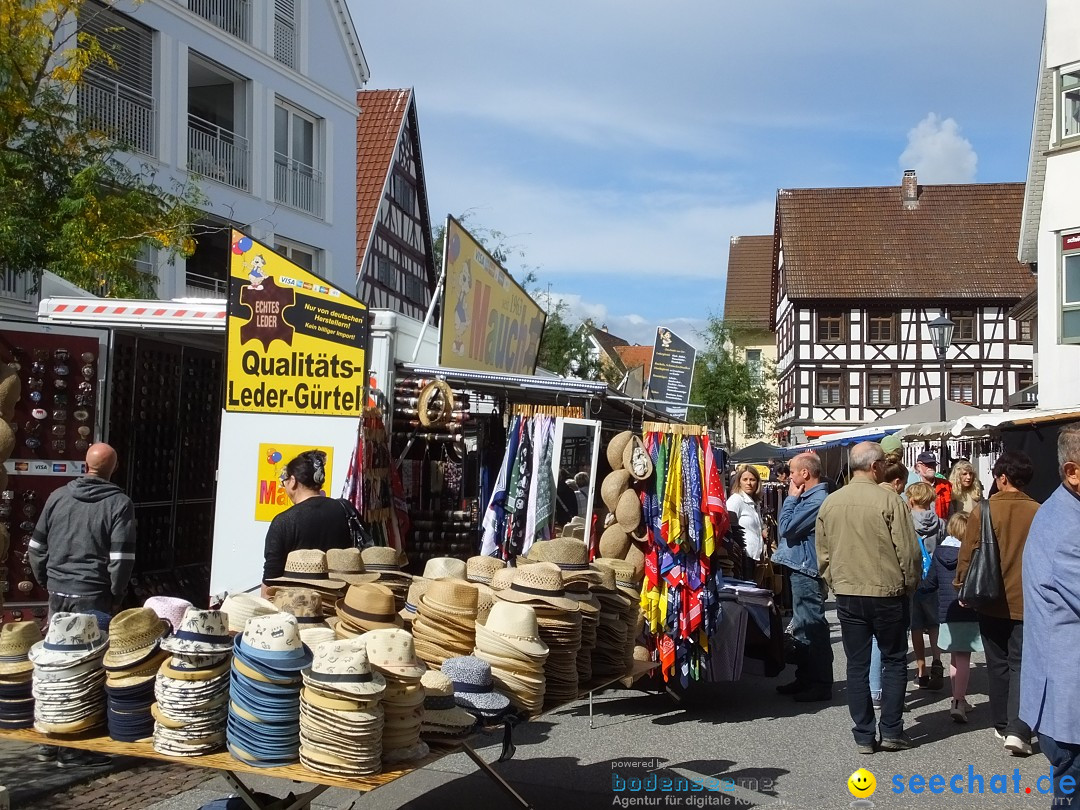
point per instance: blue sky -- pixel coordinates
(622, 143)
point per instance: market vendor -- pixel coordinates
(314, 521)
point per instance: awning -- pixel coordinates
(973, 427)
(870, 433)
(817, 433)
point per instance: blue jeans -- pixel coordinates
(862, 619)
(1065, 760)
(810, 630)
(875, 668)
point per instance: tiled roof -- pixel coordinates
(749, 273)
(608, 341)
(634, 356)
(862, 244)
(378, 128)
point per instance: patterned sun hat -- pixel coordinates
(200, 631)
(71, 639)
(343, 666)
(274, 641)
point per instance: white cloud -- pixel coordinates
(630, 326)
(939, 153)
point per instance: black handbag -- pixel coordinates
(983, 583)
(360, 537)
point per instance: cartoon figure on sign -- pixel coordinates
(665, 338)
(255, 272)
(461, 313)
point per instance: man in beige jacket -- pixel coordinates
(868, 554)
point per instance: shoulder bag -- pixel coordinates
(983, 583)
(360, 537)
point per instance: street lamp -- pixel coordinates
(941, 332)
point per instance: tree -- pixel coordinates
(727, 386)
(69, 200)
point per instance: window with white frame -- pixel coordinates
(1070, 288)
(298, 253)
(298, 181)
(753, 365)
(1069, 104)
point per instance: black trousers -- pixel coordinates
(80, 604)
(1003, 643)
(885, 618)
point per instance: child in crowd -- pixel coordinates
(959, 635)
(930, 530)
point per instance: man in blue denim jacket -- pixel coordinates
(809, 627)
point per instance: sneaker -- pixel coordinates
(937, 675)
(73, 758)
(901, 743)
(866, 748)
(792, 688)
(814, 694)
(46, 753)
(967, 706)
(957, 711)
(923, 681)
(999, 736)
(1016, 746)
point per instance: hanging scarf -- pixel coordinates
(494, 522)
(545, 482)
(518, 505)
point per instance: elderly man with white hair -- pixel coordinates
(1049, 698)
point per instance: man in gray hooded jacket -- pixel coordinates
(83, 548)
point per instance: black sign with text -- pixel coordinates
(672, 372)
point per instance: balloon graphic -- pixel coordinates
(236, 249)
(455, 247)
(273, 457)
(245, 244)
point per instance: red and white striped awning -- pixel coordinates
(201, 315)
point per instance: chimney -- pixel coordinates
(909, 190)
(603, 327)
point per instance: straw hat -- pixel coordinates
(485, 600)
(392, 653)
(169, 608)
(71, 639)
(515, 624)
(636, 460)
(628, 511)
(440, 705)
(450, 596)
(503, 578)
(614, 542)
(616, 447)
(200, 631)
(303, 603)
(16, 639)
(240, 607)
(134, 635)
(626, 579)
(274, 641)
(539, 584)
(417, 588)
(473, 686)
(444, 568)
(368, 607)
(614, 485)
(348, 564)
(307, 567)
(482, 568)
(140, 673)
(384, 561)
(344, 666)
(314, 636)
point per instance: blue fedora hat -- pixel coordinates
(274, 641)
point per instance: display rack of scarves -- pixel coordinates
(521, 509)
(373, 484)
(686, 514)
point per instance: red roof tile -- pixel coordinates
(378, 128)
(861, 243)
(634, 356)
(749, 273)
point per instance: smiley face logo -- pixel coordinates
(862, 784)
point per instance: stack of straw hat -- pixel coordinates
(16, 671)
(417, 588)
(308, 568)
(264, 708)
(347, 564)
(392, 654)
(474, 688)
(240, 607)
(69, 679)
(169, 608)
(559, 618)
(370, 606)
(131, 665)
(444, 721)
(510, 642)
(192, 686)
(444, 568)
(445, 625)
(630, 463)
(481, 569)
(306, 605)
(626, 598)
(388, 563)
(341, 716)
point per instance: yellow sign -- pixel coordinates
(489, 322)
(297, 344)
(270, 497)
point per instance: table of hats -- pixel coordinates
(321, 682)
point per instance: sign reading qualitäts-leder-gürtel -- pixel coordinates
(489, 322)
(297, 344)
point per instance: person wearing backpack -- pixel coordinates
(930, 531)
(959, 631)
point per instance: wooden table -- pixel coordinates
(230, 766)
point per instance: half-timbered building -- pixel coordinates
(395, 265)
(858, 274)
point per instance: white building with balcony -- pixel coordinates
(254, 98)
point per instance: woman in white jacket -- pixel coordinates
(743, 504)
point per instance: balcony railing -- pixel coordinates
(199, 286)
(298, 185)
(231, 16)
(217, 153)
(16, 286)
(127, 115)
(285, 42)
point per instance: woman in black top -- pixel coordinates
(312, 522)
